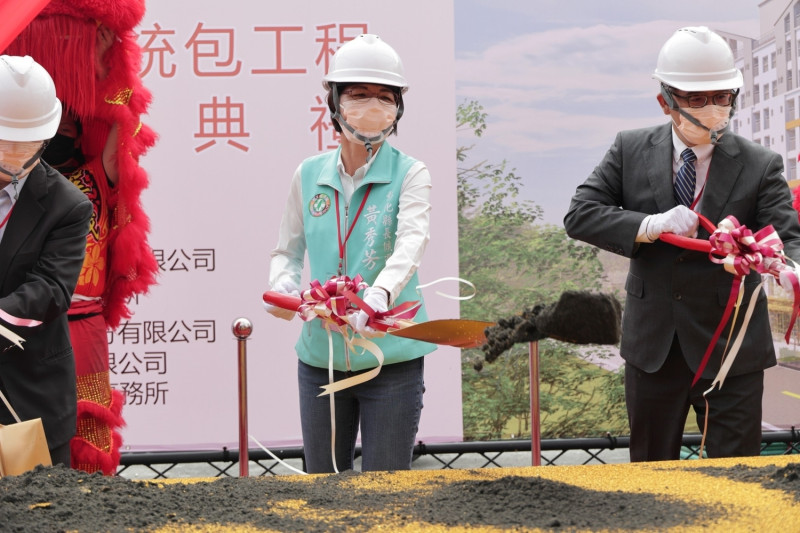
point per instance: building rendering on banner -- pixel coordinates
(768, 108)
(769, 103)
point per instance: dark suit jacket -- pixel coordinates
(41, 254)
(671, 290)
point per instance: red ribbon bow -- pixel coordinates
(328, 300)
(763, 252)
(741, 250)
(336, 299)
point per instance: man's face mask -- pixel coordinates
(713, 117)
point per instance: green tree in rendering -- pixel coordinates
(516, 261)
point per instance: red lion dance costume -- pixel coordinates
(119, 261)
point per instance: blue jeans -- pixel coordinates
(388, 408)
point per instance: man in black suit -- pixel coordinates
(676, 297)
(44, 220)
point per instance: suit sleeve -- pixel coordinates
(47, 288)
(598, 213)
(775, 207)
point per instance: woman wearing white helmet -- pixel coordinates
(44, 220)
(361, 210)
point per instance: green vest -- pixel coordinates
(370, 243)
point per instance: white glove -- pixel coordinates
(378, 300)
(679, 220)
(284, 287)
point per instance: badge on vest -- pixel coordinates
(319, 205)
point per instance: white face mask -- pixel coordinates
(14, 155)
(369, 118)
(713, 117)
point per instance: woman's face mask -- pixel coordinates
(368, 116)
(713, 117)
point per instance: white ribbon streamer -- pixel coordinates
(13, 337)
(451, 297)
(342, 384)
(332, 400)
(728, 361)
(287, 465)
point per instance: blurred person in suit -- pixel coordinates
(44, 220)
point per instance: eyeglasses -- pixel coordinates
(701, 100)
(386, 98)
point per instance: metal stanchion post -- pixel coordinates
(536, 441)
(242, 328)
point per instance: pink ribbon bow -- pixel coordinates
(739, 250)
(742, 250)
(336, 299)
(329, 300)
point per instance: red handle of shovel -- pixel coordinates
(689, 243)
(284, 301)
(456, 332)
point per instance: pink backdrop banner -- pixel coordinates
(238, 103)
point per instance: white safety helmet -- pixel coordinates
(697, 59)
(29, 108)
(366, 59)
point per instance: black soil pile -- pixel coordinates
(59, 499)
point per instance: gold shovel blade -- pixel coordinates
(451, 332)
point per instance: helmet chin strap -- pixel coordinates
(23, 171)
(368, 141)
(714, 134)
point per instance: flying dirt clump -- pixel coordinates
(578, 317)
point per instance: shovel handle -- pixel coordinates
(284, 301)
(689, 243)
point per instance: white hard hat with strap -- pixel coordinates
(696, 59)
(365, 59)
(29, 108)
